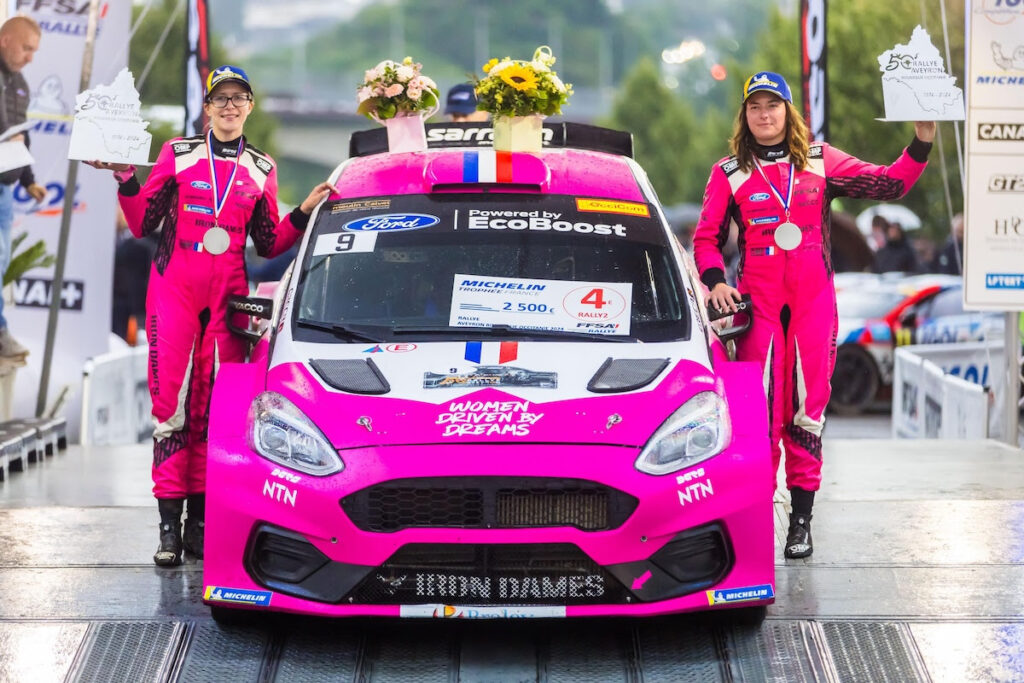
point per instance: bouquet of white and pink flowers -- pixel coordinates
(393, 89)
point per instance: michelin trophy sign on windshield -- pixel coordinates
(108, 126)
(916, 85)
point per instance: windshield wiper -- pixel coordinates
(505, 331)
(353, 332)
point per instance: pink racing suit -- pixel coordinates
(186, 319)
(793, 331)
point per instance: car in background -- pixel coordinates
(488, 387)
(941, 319)
(869, 310)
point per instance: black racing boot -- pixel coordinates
(169, 553)
(195, 525)
(798, 542)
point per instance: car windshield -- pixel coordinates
(465, 266)
(867, 303)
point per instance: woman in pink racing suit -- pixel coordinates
(209, 192)
(777, 187)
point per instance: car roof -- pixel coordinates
(562, 171)
(577, 159)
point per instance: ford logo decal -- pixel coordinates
(201, 185)
(759, 197)
(392, 222)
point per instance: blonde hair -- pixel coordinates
(742, 141)
(20, 22)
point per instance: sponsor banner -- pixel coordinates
(993, 212)
(54, 76)
(994, 235)
(562, 305)
(813, 67)
(995, 49)
(480, 612)
(116, 407)
(945, 390)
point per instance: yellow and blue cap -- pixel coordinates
(223, 74)
(766, 81)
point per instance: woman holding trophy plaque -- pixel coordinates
(209, 193)
(777, 187)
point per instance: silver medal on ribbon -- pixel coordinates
(788, 236)
(216, 240)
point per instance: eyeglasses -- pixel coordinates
(221, 101)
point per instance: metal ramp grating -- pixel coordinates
(218, 654)
(880, 652)
(316, 658)
(672, 653)
(400, 656)
(126, 651)
(784, 651)
(578, 656)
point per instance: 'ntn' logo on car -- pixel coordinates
(392, 222)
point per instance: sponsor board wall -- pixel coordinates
(942, 391)
(83, 326)
(994, 201)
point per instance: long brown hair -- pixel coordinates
(796, 139)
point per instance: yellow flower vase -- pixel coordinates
(406, 133)
(519, 133)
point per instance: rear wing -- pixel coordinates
(442, 135)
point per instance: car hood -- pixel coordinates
(370, 394)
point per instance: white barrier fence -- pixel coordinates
(116, 408)
(947, 391)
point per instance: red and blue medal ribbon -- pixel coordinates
(778, 195)
(219, 200)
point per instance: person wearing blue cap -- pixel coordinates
(461, 104)
(209, 193)
(776, 186)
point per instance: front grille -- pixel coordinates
(488, 503)
(522, 574)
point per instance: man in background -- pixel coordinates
(951, 259)
(461, 105)
(19, 40)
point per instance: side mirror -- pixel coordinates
(253, 307)
(745, 311)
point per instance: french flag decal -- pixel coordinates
(487, 166)
(507, 351)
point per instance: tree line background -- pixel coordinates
(681, 117)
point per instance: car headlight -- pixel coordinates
(697, 431)
(279, 431)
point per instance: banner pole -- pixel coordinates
(65, 222)
(1012, 401)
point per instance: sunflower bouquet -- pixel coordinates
(393, 89)
(515, 87)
